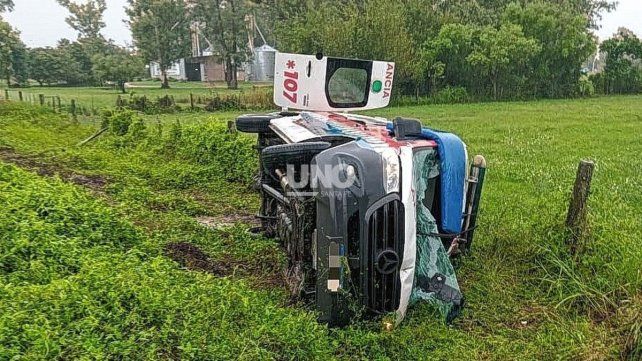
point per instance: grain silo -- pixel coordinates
(263, 64)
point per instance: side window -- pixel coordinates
(348, 82)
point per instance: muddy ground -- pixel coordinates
(187, 255)
(36, 164)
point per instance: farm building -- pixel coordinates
(205, 65)
(208, 67)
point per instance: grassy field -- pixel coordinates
(96, 98)
(104, 252)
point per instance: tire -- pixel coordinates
(254, 123)
(279, 156)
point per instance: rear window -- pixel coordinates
(346, 86)
(348, 82)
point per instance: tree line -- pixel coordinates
(88, 60)
(464, 49)
(485, 49)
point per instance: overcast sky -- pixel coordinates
(42, 22)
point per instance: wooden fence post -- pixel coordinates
(191, 100)
(231, 126)
(42, 99)
(73, 109)
(58, 99)
(6, 94)
(577, 209)
(20, 95)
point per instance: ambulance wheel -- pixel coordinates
(297, 154)
(254, 123)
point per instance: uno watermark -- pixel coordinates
(322, 179)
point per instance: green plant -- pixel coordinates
(586, 87)
(49, 230)
(77, 282)
(119, 121)
(218, 103)
(451, 95)
(225, 155)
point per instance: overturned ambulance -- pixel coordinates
(370, 211)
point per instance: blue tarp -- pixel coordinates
(452, 166)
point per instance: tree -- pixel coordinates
(623, 69)
(566, 44)
(12, 60)
(86, 18)
(591, 9)
(20, 64)
(119, 67)
(501, 53)
(46, 66)
(447, 56)
(383, 22)
(367, 29)
(225, 31)
(76, 58)
(432, 40)
(160, 29)
(6, 5)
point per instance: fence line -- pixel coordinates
(168, 103)
(55, 102)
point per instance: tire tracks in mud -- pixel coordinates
(188, 255)
(35, 163)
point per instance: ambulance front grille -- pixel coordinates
(385, 242)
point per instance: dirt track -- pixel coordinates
(35, 164)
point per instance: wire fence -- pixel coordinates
(55, 102)
(255, 99)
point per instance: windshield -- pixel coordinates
(431, 257)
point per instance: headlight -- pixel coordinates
(391, 174)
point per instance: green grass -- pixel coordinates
(89, 278)
(97, 98)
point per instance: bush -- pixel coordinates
(598, 81)
(451, 95)
(230, 102)
(48, 229)
(119, 121)
(161, 105)
(586, 87)
(448, 95)
(228, 154)
(258, 99)
(205, 151)
(166, 101)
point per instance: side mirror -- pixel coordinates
(308, 82)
